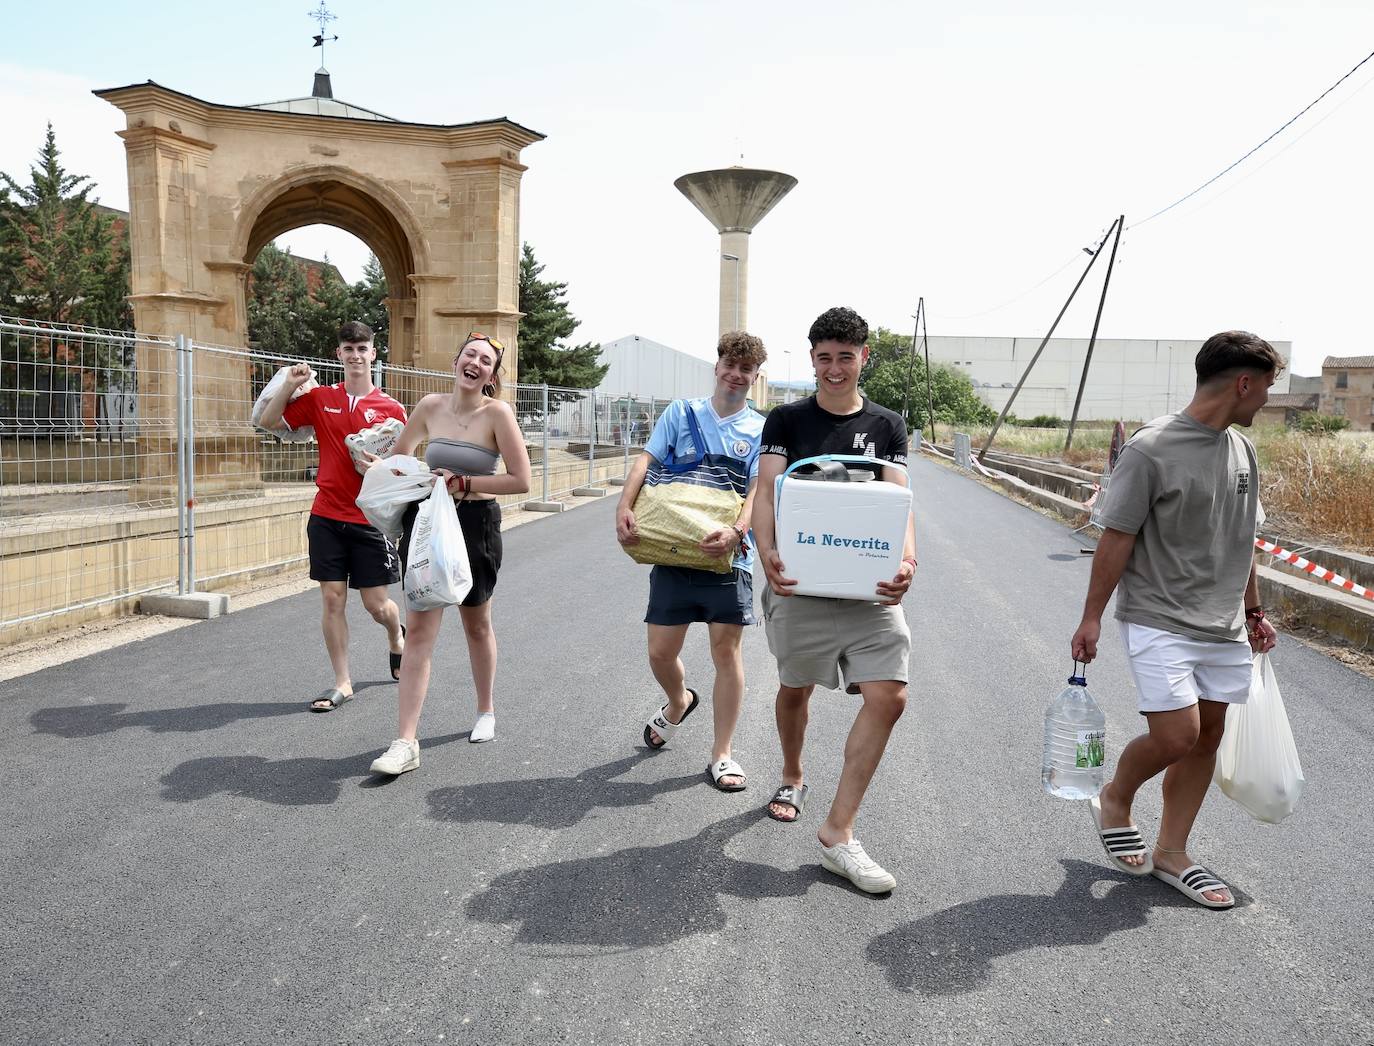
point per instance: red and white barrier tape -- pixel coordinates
(1321, 573)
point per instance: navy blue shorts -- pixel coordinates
(681, 595)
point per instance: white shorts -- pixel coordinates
(1173, 671)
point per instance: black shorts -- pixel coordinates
(352, 552)
(480, 521)
(681, 595)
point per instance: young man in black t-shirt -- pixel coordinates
(835, 642)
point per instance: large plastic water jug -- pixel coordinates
(1075, 742)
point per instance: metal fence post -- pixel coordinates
(190, 461)
(545, 393)
(377, 373)
(180, 406)
(625, 436)
(591, 443)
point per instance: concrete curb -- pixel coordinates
(1298, 598)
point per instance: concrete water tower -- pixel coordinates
(734, 200)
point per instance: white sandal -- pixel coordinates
(658, 723)
(1122, 842)
(726, 768)
(1193, 882)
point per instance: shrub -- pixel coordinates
(1321, 424)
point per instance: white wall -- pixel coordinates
(643, 368)
(1133, 380)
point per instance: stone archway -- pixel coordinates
(210, 183)
(327, 194)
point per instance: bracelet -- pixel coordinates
(1256, 612)
(912, 561)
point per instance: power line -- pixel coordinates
(1257, 148)
(1030, 290)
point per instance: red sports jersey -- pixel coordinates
(326, 408)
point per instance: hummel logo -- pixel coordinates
(333, 410)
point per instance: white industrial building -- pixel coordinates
(645, 369)
(1130, 380)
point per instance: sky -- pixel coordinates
(964, 153)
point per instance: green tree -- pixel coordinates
(331, 304)
(890, 365)
(282, 317)
(60, 256)
(547, 323)
(368, 303)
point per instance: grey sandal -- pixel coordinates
(329, 700)
(788, 795)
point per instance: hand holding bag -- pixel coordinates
(1257, 761)
(283, 432)
(680, 503)
(437, 570)
(389, 486)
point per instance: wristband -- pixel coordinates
(740, 530)
(912, 561)
(1256, 612)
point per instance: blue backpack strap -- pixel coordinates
(695, 429)
(672, 463)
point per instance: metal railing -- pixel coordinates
(128, 463)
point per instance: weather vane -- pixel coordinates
(324, 17)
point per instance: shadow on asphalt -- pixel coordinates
(551, 802)
(638, 897)
(73, 721)
(293, 781)
(953, 951)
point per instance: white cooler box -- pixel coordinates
(840, 539)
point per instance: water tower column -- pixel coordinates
(734, 281)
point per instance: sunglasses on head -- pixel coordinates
(479, 336)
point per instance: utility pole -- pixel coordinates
(1087, 361)
(1092, 253)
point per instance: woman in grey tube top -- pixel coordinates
(468, 430)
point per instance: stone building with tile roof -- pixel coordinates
(1348, 390)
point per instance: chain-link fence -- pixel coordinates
(129, 464)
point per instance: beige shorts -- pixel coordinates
(835, 643)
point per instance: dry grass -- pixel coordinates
(1317, 488)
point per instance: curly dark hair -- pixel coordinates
(741, 347)
(839, 324)
(1235, 350)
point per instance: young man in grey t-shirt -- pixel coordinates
(1178, 548)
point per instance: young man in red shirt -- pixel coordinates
(345, 550)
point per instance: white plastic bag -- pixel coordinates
(1257, 762)
(389, 486)
(437, 570)
(283, 432)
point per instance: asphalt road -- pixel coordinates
(189, 856)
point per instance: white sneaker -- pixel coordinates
(403, 755)
(484, 729)
(850, 860)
